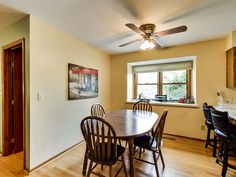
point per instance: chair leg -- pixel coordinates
(208, 137)
(101, 167)
(110, 171)
(90, 168)
(140, 152)
(214, 146)
(162, 159)
(85, 162)
(155, 162)
(124, 166)
(134, 149)
(225, 160)
(220, 153)
(126, 143)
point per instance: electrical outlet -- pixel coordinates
(202, 127)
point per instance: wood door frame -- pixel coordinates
(4, 119)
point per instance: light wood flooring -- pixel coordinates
(183, 157)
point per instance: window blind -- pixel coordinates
(186, 65)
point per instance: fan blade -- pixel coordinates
(172, 31)
(157, 46)
(134, 28)
(122, 45)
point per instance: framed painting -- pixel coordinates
(82, 82)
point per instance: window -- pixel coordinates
(147, 85)
(174, 84)
(171, 79)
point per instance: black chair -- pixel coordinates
(227, 140)
(101, 144)
(153, 143)
(97, 110)
(210, 127)
(142, 106)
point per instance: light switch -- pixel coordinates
(41, 96)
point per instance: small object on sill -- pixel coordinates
(161, 98)
(188, 100)
(144, 99)
(181, 100)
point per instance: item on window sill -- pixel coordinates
(189, 99)
(161, 98)
(140, 96)
(219, 98)
(181, 100)
(144, 99)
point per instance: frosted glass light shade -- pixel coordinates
(147, 45)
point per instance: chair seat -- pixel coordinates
(145, 141)
(113, 157)
(220, 133)
(223, 135)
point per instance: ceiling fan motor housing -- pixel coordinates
(148, 29)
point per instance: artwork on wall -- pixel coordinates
(82, 82)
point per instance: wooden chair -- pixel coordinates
(97, 110)
(101, 143)
(210, 127)
(142, 106)
(153, 143)
(227, 140)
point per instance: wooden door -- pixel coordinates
(17, 97)
(12, 100)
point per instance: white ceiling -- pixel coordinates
(101, 23)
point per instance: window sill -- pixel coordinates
(186, 105)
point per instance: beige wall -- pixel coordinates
(210, 73)
(10, 34)
(55, 122)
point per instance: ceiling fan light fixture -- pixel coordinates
(147, 45)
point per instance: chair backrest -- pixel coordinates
(142, 106)
(97, 110)
(207, 113)
(220, 120)
(100, 138)
(158, 132)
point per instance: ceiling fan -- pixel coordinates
(147, 31)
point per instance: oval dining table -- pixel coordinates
(129, 124)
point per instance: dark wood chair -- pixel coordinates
(153, 143)
(101, 143)
(227, 140)
(210, 127)
(142, 106)
(97, 110)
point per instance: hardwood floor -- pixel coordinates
(183, 157)
(11, 165)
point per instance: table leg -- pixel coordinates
(85, 162)
(131, 168)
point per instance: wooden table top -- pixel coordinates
(129, 123)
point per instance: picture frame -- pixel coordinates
(82, 82)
